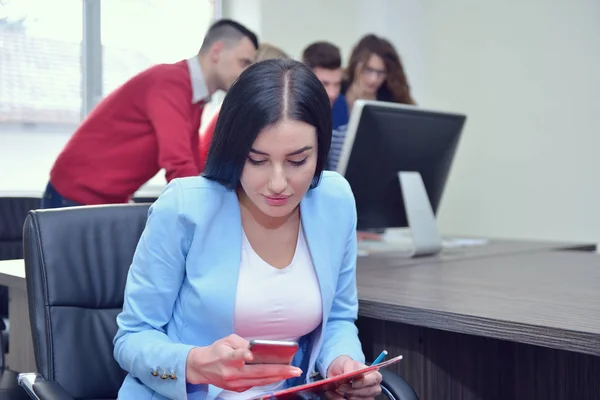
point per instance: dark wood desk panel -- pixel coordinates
(453, 366)
(504, 327)
(549, 299)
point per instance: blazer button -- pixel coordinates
(172, 376)
(155, 373)
(163, 376)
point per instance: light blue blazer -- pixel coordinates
(182, 284)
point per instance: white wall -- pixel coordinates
(286, 25)
(26, 157)
(246, 11)
(525, 74)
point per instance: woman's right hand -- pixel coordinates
(223, 364)
(370, 236)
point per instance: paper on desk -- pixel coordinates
(403, 243)
(463, 242)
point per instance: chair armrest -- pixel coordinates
(39, 388)
(50, 390)
(394, 386)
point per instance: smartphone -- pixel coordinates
(273, 351)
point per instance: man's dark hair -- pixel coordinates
(227, 30)
(322, 55)
(264, 94)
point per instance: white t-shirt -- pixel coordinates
(275, 304)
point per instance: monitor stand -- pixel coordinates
(422, 238)
(419, 214)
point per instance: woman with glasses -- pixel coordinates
(375, 72)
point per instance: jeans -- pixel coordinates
(53, 199)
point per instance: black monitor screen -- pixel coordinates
(390, 138)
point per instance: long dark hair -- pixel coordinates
(264, 94)
(395, 88)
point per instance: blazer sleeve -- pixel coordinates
(341, 334)
(141, 344)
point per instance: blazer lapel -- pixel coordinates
(316, 238)
(226, 247)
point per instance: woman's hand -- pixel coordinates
(223, 364)
(371, 236)
(365, 387)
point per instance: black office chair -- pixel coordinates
(148, 200)
(394, 387)
(76, 262)
(13, 211)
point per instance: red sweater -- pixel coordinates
(205, 139)
(147, 124)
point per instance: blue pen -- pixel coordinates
(380, 357)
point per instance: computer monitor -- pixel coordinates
(397, 159)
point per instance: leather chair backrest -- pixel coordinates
(76, 263)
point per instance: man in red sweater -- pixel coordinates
(149, 123)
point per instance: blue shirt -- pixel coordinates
(340, 116)
(339, 112)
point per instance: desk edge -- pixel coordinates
(562, 339)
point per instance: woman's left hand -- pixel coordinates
(365, 387)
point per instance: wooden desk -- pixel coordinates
(517, 326)
(20, 355)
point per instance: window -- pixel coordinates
(40, 51)
(41, 77)
(139, 33)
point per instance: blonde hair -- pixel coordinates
(267, 51)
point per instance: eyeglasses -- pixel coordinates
(372, 71)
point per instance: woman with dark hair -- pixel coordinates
(375, 72)
(263, 246)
